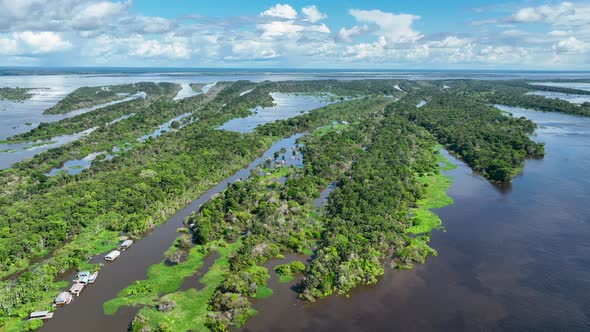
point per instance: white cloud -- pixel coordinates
(570, 45)
(313, 14)
(281, 11)
(559, 33)
(450, 42)
(252, 50)
(289, 29)
(147, 24)
(42, 42)
(528, 14)
(396, 28)
(155, 49)
(8, 46)
(96, 15)
(564, 13)
(346, 35)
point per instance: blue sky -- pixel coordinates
(296, 34)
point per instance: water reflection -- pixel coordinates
(287, 105)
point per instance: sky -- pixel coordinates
(461, 34)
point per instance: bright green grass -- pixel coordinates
(283, 278)
(262, 292)
(190, 313)
(276, 173)
(423, 219)
(162, 278)
(321, 131)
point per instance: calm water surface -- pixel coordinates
(511, 258)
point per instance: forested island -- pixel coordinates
(91, 96)
(15, 94)
(372, 143)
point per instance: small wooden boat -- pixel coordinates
(41, 315)
(111, 256)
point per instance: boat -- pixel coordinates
(83, 277)
(63, 298)
(92, 277)
(77, 288)
(40, 315)
(126, 244)
(111, 256)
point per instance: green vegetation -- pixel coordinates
(517, 94)
(191, 306)
(15, 94)
(368, 211)
(197, 87)
(381, 154)
(163, 278)
(91, 96)
(423, 220)
(491, 143)
(286, 271)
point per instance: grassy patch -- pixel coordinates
(424, 220)
(286, 271)
(262, 292)
(162, 279)
(321, 131)
(190, 312)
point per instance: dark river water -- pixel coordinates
(513, 258)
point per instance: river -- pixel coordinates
(512, 258)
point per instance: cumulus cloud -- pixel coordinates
(346, 35)
(395, 28)
(564, 13)
(42, 42)
(288, 28)
(280, 11)
(313, 14)
(8, 46)
(110, 32)
(570, 45)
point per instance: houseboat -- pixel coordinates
(41, 315)
(63, 298)
(92, 277)
(111, 256)
(83, 278)
(76, 288)
(126, 244)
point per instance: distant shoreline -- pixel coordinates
(19, 71)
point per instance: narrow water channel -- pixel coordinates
(86, 311)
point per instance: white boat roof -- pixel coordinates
(77, 286)
(39, 313)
